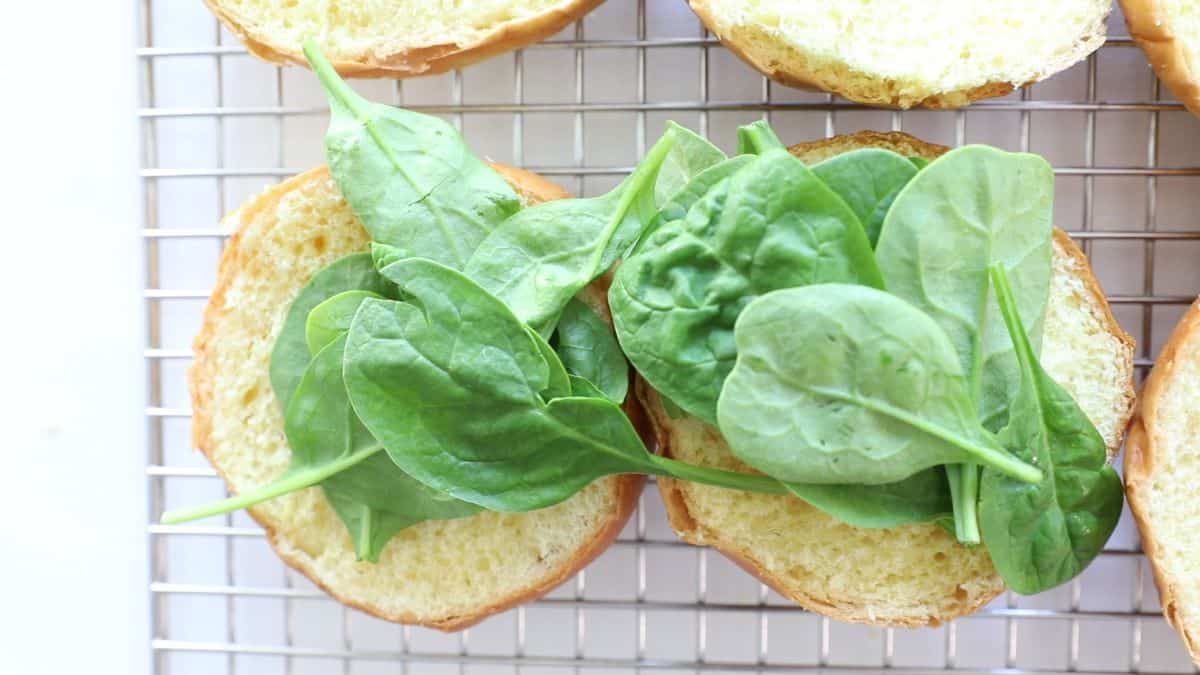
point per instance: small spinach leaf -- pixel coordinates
(331, 319)
(541, 257)
(1042, 535)
(451, 382)
(919, 162)
(409, 177)
(868, 180)
(589, 349)
(581, 387)
(291, 355)
(837, 383)
(756, 138)
(920, 498)
(772, 225)
(558, 381)
(691, 154)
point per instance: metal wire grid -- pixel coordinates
(767, 634)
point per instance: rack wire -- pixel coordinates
(218, 126)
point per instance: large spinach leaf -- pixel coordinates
(969, 208)
(837, 383)
(588, 349)
(541, 257)
(868, 180)
(451, 383)
(691, 154)
(409, 177)
(330, 447)
(1042, 535)
(291, 354)
(920, 498)
(772, 225)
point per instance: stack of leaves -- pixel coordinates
(864, 333)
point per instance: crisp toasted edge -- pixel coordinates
(694, 532)
(203, 373)
(1141, 457)
(1152, 31)
(797, 73)
(414, 61)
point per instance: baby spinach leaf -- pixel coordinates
(1042, 535)
(583, 388)
(589, 349)
(677, 207)
(451, 382)
(772, 225)
(330, 447)
(558, 382)
(291, 355)
(969, 208)
(409, 177)
(868, 180)
(331, 319)
(538, 259)
(385, 254)
(920, 498)
(756, 138)
(919, 162)
(837, 383)
(691, 154)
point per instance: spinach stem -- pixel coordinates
(288, 482)
(954, 478)
(336, 87)
(968, 533)
(720, 478)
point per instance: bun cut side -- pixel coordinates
(443, 574)
(931, 53)
(1168, 31)
(395, 38)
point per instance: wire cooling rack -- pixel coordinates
(218, 126)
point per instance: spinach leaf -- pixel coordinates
(919, 162)
(920, 498)
(331, 319)
(583, 388)
(969, 208)
(1040, 536)
(836, 383)
(291, 355)
(409, 177)
(756, 138)
(451, 383)
(868, 180)
(677, 207)
(691, 154)
(589, 349)
(772, 225)
(330, 447)
(538, 259)
(558, 381)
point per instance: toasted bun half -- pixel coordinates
(395, 38)
(444, 574)
(1162, 471)
(915, 575)
(1168, 31)
(932, 53)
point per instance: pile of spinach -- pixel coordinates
(864, 333)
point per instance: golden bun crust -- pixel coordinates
(969, 580)
(1144, 460)
(328, 559)
(1152, 30)
(413, 61)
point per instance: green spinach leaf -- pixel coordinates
(691, 154)
(558, 381)
(331, 319)
(772, 225)
(1042, 535)
(409, 177)
(291, 354)
(836, 383)
(868, 180)
(541, 257)
(920, 498)
(756, 138)
(677, 207)
(451, 383)
(588, 348)
(919, 162)
(330, 447)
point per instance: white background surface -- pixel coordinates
(72, 488)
